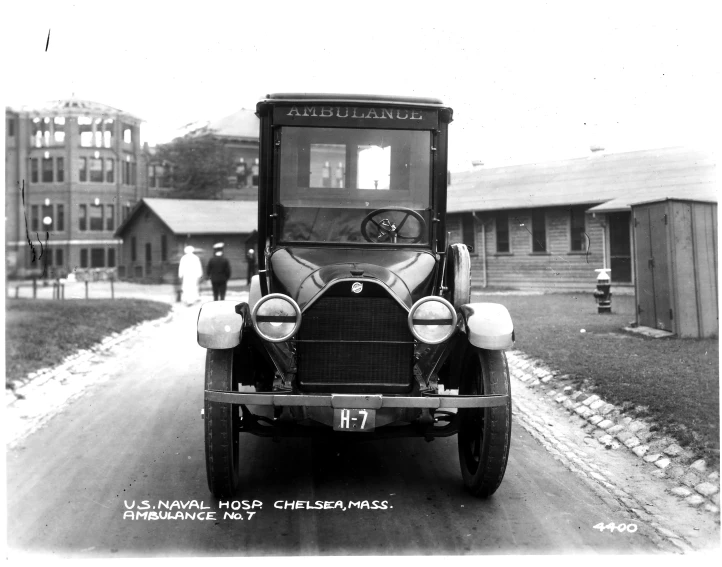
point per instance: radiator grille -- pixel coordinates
(355, 344)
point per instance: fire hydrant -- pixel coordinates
(603, 292)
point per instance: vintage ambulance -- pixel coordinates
(360, 321)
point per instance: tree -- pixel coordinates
(198, 167)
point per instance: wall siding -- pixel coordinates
(559, 267)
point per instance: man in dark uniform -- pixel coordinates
(219, 272)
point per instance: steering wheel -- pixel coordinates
(388, 231)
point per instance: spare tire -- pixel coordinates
(458, 276)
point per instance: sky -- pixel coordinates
(528, 81)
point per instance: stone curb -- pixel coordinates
(79, 362)
(596, 478)
(698, 486)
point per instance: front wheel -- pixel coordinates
(222, 427)
(484, 433)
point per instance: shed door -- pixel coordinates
(653, 293)
(620, 254)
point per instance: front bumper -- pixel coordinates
(354, 401)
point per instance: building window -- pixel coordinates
(59, 260)
(60, 216)
(241, 172)
(60, 169)
(82, 169)
(83, 217)
(133, 249)
(468, 233)
(97, 257)
(126, 211)
(11, 127)
(151, 176)
(34, 218)
(577, 229)
(539, 231)
(109, 170)
(34, 170)
(84, 258)
(127, 134)
(48, 221)
(111, 257)
(98, 133)
(129, 172)
(59, 130)
(163, 247)
(108, 133)
(96, 217)
(47, 170)
(148, 256)
(85, 127)
(254, 172)
(96, 170)
(110, 217)
(502, 233)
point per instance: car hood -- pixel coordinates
(303, 273)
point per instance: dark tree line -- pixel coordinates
(196, 167)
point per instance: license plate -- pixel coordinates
(354, 419)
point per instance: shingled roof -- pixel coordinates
(618, 179)
(190, 216)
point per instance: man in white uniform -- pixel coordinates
(190, 271)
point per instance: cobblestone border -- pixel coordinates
(607, 423)
(77, 363)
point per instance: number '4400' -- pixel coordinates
(612, 527)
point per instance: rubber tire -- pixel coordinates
(459, 275)
(484, 433)
(222, 427)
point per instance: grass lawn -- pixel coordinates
(674, 382)
(41, 333)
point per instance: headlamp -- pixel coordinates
(276, 317)
(432, 320)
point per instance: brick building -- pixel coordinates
(73, 171)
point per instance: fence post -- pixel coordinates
(86, 289)
(35, 288)
(112, 289)
(63, 292)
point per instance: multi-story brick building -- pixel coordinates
(73, 171)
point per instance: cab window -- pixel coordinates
(330, 179)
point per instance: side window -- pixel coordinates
(468, 231)
(577, 230)
(539, 231)
(502, 233)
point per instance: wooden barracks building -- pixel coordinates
(550, 225)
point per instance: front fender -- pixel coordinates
(219, 326)
(488, 325)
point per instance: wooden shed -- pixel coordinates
(675, 244)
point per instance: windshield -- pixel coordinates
(354, 185)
